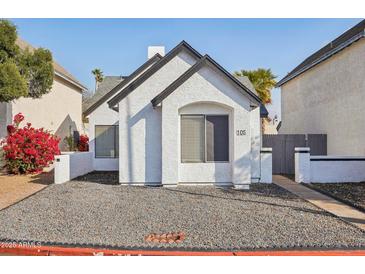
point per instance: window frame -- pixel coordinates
(116, 128)
(205, 139)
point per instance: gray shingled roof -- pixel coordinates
(108, 83)
(244, 80)
(347, 38)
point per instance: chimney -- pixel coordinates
(152, 50)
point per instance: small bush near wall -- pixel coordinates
(27, 149)
(80, 144)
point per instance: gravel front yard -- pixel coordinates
(216, 219)
(349, 193)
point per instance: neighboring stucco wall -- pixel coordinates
(59, 111)
(140, 125)
(5, 118)
(103, 115)
(329, 99)
(208, 86)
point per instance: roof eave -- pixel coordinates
(83, 88)
(206, 59)
(322, 58)
(154, 68)
(123, 84)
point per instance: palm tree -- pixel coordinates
(263, 81)
(98, 74)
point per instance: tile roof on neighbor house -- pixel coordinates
(346, 39)
(108, 83)
(59, 70)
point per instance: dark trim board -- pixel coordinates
(338, 159)
(122, 84)
(302, 151)
(206, 59)
(147, 74)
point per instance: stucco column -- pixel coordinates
(241, 162)
(266, 165)
(170, 145)
(302, 164)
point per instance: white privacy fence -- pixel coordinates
(328, 169)
(70, 165)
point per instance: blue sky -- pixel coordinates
(119, 46)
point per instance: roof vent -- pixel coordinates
(152, 50)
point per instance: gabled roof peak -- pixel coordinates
(206, 59)
(148, 73)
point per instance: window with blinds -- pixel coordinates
(106, 141)
(204, 138)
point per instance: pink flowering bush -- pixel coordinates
(28, 149)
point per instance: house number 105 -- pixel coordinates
(240, 132)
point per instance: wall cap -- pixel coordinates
(337, 158)
(302, 149)
(266, 150)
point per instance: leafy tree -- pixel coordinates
(12, 84)
(37, 69)
(23, 73)
(8, 36)
(263, 81)
(98, 74)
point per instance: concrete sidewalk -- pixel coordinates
(345, 212)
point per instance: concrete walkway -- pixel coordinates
(345, 212)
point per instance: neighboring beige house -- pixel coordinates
(269, 126)
(59, 111)
(326, 92)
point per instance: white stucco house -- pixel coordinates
(180, 118)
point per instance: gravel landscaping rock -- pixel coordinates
(265, 217)
(352, 194)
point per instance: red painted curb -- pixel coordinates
(71, 251)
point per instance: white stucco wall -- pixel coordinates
(140, 128)
(71, 165)
(208, 86)
(329, 99)
(255, 125)
(205, 172)
(266, 165)
(58, 111)
(328, 169)
(302, 164)
(103, 115)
